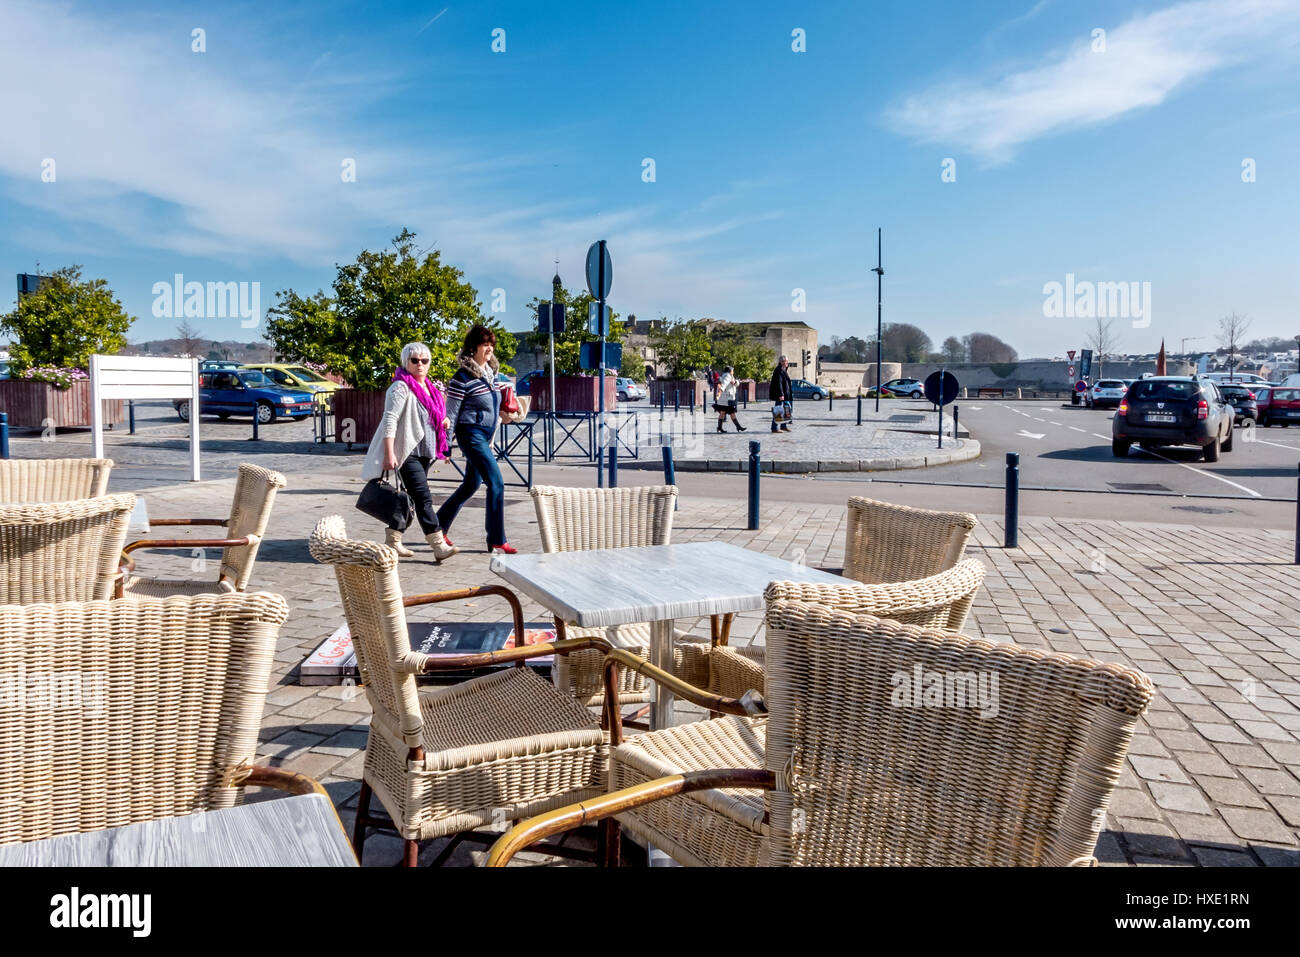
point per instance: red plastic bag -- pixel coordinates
(509, 403)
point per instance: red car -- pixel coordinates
(1282, 407)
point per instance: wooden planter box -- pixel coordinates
(34, 405)
(356, 416)
(683, 389)
(573, 393)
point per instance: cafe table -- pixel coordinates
(298, 831)
(653, 583)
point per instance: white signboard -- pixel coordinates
(142, 377)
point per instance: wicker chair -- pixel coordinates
(447, 760)
(62, 551)
(255, 491)
(939, 601)
(894, 543)
(853, 766)
(576, 519)
(53, 480)
(147, 709)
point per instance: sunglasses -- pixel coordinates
(419, 361)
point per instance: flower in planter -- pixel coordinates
(60, 378)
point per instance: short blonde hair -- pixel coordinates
(414, 349)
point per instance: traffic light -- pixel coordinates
(807, 357)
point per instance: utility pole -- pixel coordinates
(880, 272)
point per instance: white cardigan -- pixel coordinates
(403, 422)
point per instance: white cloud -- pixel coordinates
(1147, 58)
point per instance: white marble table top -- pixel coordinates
(617, 586)
(293, 831)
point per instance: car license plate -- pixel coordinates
(1161, 417)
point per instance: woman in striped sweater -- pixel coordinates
(474, 407)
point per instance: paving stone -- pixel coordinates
(1132, 803)
(1288, 808)
(1178, 797)
(1253, 825)
(1157, 769)
(1230, 791)
(1222, 857)
(1197, 762)
(1272, 781)
(1153, 839)
(1276, 856)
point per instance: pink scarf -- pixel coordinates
(431, 398)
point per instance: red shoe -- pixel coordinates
(446, 539)
(505, 549)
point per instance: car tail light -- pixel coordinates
(1202, 409)
(1123, 407)
(1250, 395)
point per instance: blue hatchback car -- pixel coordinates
(228, 392)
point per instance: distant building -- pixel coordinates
(789, 339)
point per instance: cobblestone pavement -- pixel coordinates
(1213, 776)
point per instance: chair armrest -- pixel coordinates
(749, 704)
(537, 828)
(486, 658)
(257, 775)
(455, 594)
(187, 543)
(153, 522)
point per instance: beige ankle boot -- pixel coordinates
(393, 539)
(441, 549)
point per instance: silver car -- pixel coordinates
(628, 390)
(1106, 392)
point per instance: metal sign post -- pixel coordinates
(880, 272)
(600, 277)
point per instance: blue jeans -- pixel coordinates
(480, 468)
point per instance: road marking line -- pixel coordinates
(1036, 418)
(1274, 444)
(1056, 423)
(1031, 435)
(1184, 465)
(1077, 429)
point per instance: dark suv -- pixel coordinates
(1173, 410)
(1242, 399)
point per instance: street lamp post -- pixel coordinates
(880, 272)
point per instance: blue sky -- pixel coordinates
(773, 168)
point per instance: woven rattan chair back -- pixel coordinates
(574, 519)
(255, 492)
(53, 480)
(62, 551)
(900, 745)
(939, 601)
(129, 711)
(894, 543)
(372, 605)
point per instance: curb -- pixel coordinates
(971, 450)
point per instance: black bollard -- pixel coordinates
(677, 401)
(670, 473)
(253, 437)
(954, 421)
(691, 409)
(753, 484)
(130, 414)
(661, 403)
(613, 463)
(859, 408)
(1012, 521)
(1297, 508)
(830, 401)
(4, 435)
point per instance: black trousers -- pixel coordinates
(415, 477)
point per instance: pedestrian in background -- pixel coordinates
(474, 408)
(411, 436)
(782, 395)
(724, 399)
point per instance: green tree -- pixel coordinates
(953, 350)
(381, 302)
(681, 345)
(568, 343)
(730, 346)
(65, 322)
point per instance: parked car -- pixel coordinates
(1284, 406)
(628, 390)
(228, 392)
(912, 388)
(296, 378)
(885, 393)
(1242, 399)
(803, 389)
(1263, 396)
(211, 365)
(1173, 410)
(525, 384)
(1105, 392)
(1238, 378)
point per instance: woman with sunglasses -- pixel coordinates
(474, 407)
(411, 436)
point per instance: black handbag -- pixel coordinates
(383, 500)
